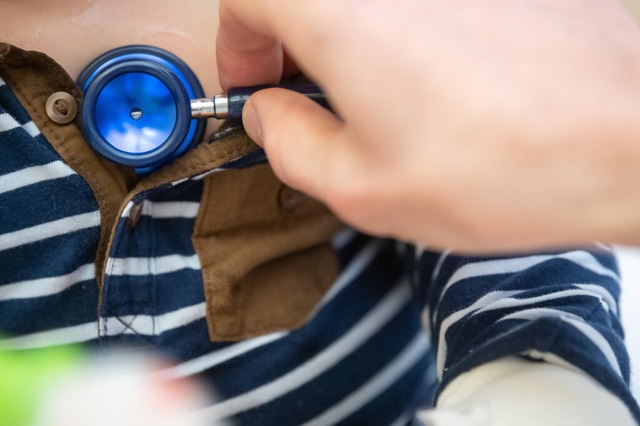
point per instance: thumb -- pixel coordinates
(303, 140)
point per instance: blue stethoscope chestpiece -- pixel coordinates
(136, 108)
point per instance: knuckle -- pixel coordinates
(352, 201)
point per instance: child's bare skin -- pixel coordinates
(74, 32)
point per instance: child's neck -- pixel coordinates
(73, 32)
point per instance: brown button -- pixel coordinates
(61, 108)
(290, 199)
(4, 50)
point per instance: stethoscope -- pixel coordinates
(143, 107)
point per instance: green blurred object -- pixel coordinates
(26, 375)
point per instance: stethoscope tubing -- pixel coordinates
(229, 105)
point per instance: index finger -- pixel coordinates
(252, 33)
(248, 50)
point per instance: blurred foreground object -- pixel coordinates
(26, 375)
(68, 387)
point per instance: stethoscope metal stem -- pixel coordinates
(229, 105)
(216, 107)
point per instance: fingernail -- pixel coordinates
(251, 123)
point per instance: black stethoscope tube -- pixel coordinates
(229, 105)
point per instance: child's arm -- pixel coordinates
(514, 391)
(560, 308)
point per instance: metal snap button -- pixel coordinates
(134, 214)
(61, 108)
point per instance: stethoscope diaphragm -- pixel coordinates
(136, 107)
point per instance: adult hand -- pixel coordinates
(493, 125)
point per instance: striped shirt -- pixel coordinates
(396, 323)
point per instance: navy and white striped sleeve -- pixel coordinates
(554, 307)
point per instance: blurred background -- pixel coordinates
(629, 260)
